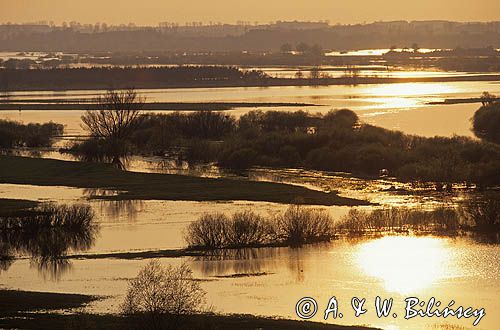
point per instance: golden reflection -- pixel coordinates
(410, 89)
(404, 264)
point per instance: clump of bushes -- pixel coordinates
(472, 215)
(299, 225)
(486, 120)
(14, 134)
(162, 296)
(296, 226)
(47, 233)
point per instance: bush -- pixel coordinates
(299, 225)
(208, 232)
(14, 134)
(163, 295)
(486, 122)
(246, 229)
(47, 233)
(358, 222)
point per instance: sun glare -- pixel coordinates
(404, 264)
(410, 89)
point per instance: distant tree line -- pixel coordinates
(117, 77)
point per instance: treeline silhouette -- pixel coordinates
(256, 39)
(12, 79)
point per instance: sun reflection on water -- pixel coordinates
(404, 264)
(411, 89)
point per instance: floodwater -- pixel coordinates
(401, 106)
(270, 281)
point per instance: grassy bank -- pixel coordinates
(147, 186)
(21, 305)
(14, 206)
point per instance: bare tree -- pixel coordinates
(162, 295)
(118, 114)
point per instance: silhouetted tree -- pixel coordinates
(117, 117)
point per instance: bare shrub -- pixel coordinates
(246, 228)
(208, 232)
(296, 226)
(299, 225)
(117, 116)
(163, 295)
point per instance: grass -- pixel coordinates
(14, 206)
(13, 301)
(20, 305)
(52, 321)
(148, 186)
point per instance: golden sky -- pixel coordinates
(151, 12)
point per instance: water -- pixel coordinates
(396, 267)
(402, 106)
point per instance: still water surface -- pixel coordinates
(402, 106)
(269, 281)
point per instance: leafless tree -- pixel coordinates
(162, 295)
(118, 114)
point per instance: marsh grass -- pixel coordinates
(443, 220)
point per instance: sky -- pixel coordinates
(151, 12)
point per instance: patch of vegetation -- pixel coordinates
(147, 186)
(486, 120)
(164, 296)
(46, 234)
(14, 134)
(336, 141)
(296, 226)
(474, 215)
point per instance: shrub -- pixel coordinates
(14, 134)
(299, 225)
(163, 295)
(296, 226)
(246, 229)
(486, 122)
(208, 232)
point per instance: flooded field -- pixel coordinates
(269, 281)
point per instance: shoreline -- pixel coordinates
(42, 310)
(152, 186)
